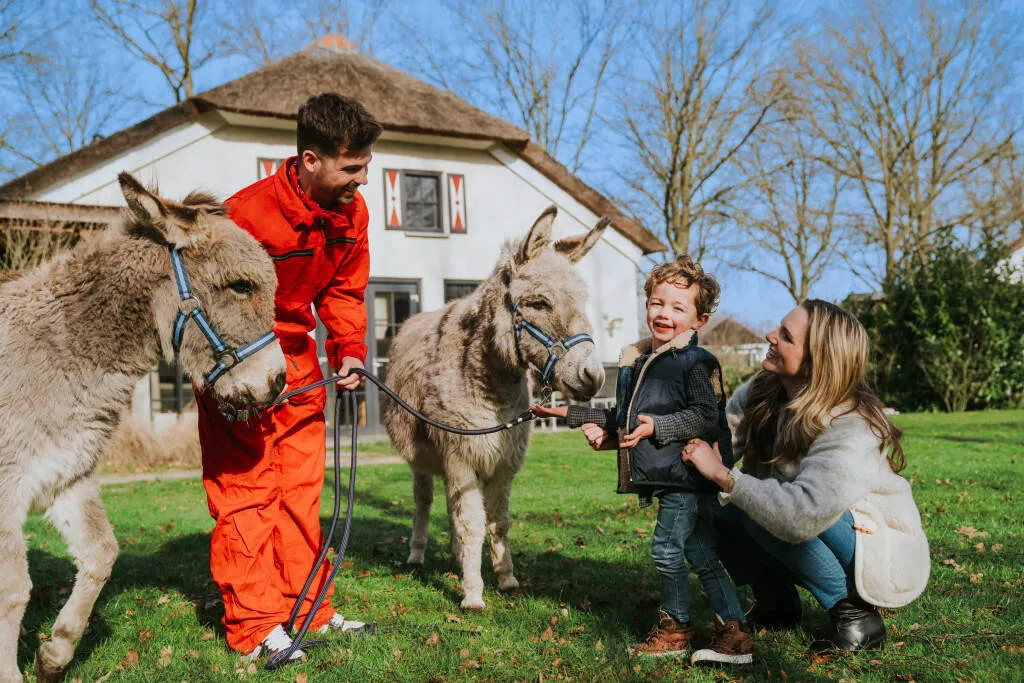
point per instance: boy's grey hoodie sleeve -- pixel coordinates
(699, 420)
(840, 468)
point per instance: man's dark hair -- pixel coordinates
(330, 124)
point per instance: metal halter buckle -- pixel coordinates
(196, 305)
(557, 349)
(229, 357)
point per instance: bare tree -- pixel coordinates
(994, 209)
(166, 34)
(906, 101)
(540, 65)
(263, 32)
(790, 224)
(67, 97)
(706, 88)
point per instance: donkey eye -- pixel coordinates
(538, 304)
(243, 287)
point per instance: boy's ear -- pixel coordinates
(702, 320)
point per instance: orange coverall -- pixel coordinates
(263, 478)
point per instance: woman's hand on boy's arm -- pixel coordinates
(541, 410)
(596, 435)
(644, 430)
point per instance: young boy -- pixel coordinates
(665, 397)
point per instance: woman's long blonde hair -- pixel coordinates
(780, 428)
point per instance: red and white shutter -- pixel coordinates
(392, 198)
(457, 202)
(267, 167)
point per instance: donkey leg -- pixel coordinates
(497, 491)
(15, 587)
(423, 495)
(467, 514)
(78, 515)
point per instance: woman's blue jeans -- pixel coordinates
(685, 528)
(823, 565)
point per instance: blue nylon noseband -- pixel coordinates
(191, 309)
(556, 348)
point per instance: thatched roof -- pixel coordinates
(724, 331)
(402, 103)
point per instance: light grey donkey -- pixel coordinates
(462, 366)
(76, 335)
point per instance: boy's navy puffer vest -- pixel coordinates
(649, 467)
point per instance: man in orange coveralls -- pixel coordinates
(263, 477)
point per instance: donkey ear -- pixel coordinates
(176, 224)
(145, 206)
(576, 247)
(539, 236)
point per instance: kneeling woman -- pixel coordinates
(818, 502)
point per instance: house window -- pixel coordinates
(456, 289)
(421, 201)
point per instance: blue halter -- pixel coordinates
(191, 309)
(556, 347)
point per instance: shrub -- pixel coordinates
(948, 331)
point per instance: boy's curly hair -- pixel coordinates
(686, 272)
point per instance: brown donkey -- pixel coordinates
(76, 335)
(463, 365)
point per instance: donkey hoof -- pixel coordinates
(415, 558)
(508, 583)
(473, 604)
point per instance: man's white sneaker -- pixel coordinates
(339, 624)
(275, 641)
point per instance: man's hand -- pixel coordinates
(350, 382)
(595, 433)
(644, 430)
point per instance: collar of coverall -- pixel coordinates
(302, 212)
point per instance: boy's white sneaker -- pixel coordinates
(276, 641)
(339, 624)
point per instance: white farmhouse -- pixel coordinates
(448, 185)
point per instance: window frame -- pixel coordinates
(438, 177)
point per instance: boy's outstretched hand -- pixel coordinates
(644, 430)
(541, 410)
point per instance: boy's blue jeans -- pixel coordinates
(772, 567)
(685, 528)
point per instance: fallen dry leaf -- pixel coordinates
(1013, 649)
(547, 634)
(131, 658)
(208, 635)
(599, 645)
(452, 619)
(165, 656)
(164, 599)
(433, 640)
(971, 532)
(301, 678)
(145, 634)
(348, 565)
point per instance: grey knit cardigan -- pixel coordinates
(844, 469)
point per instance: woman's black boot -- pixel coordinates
(855, 625)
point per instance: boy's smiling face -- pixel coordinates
(672, 310)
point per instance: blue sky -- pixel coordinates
(749, 297)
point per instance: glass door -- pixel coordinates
(389, 303)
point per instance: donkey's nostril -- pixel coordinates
(277, 386)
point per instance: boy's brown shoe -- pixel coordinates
(668, 638)
(730, 644)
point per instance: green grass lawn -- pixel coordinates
(589, 587)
